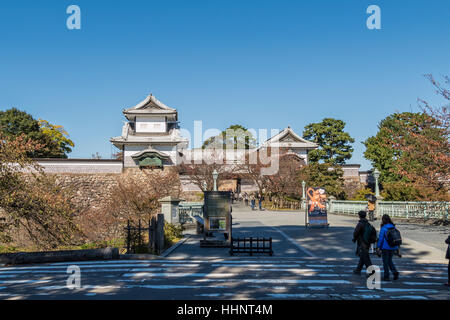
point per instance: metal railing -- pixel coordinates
(187, 211)
(347, 207)
(402, 209)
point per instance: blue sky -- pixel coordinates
(262, 64)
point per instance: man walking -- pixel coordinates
(363, 246)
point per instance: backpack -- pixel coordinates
(393, 237)
(370, 234)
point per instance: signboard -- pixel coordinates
(217, 204)
(217, 218)
(317, 207)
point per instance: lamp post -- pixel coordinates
(215, 175)
(303, 193)
(376, 175)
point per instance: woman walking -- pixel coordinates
(387, 252)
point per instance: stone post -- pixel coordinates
(169, 208)
(160, 233)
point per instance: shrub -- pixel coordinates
(172, 233)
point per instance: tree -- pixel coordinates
(361, 194)
(137, 197)
(381, 149)
(322, 175)
(412, 151)
(425, 163)
(61, 144)
(53, 139)
(202, 173)
(235, 137)
(36, 210)
(334, 144)
(284, 184)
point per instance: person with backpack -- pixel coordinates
(388, 243)
(447, 256)
(252, 201)
(364, 235)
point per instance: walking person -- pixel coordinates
(363, 236)
(252, 201)
(371, 209)
(388, 246)
(246, 198)
(447, 256)
(260, 200)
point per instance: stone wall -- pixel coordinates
(89, 190)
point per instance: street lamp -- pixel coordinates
(215, 175)
(376, 175)
(303, 193)
(303, 187)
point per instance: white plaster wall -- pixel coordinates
(151, 124)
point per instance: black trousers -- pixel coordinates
(448, 270)
(364, 258)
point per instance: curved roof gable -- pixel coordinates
(288, 136)
(150, 105)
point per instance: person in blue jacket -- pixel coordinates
(387, 252)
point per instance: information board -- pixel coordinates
(317, 207)
(217, 204)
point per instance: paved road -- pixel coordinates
(307, 264)
(258, 278)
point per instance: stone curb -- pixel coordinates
(59, 256)
(176, 245)
(138, 256)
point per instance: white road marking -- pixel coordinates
(297, 281)
(407, 290)
(422, 283)
(289, 295)
(82, 271)
(318, 288)
(124, 265)
(23, 281)
(409, 297)
(294, 243)
(256, 265)
(168, 287)
(75, 290)
(181, 265)
(172, 275)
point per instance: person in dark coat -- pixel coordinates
(387, 252)
(363, 247)
(447, 256)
